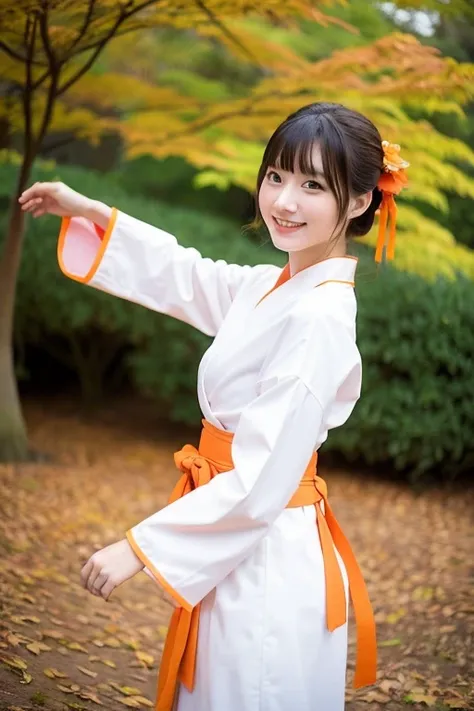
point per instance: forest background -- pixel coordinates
(164, 113)
(162, 108)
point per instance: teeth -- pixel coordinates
(284, 223)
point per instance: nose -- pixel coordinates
(286, 200)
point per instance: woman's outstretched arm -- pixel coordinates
(112, 251)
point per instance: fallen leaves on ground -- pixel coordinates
(65, 648)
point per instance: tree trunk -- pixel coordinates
(13, 437)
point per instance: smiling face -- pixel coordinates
(317, 182)
(298, 208)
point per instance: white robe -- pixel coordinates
(279, 374)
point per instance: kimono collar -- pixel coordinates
(335, 269)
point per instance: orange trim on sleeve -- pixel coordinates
(66, 221)
(146, 561)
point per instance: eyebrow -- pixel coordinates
(316, 174)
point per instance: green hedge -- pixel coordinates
(417, 346)
(417, 339)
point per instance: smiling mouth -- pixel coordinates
(287, 223)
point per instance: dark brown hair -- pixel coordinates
(351, 151)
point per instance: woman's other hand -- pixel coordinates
(54, 199)
(110, 567)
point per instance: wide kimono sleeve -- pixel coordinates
(195, 542)
(146, 265)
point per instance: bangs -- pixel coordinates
(292, 148)
(349, 159)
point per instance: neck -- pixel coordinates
(309, 257)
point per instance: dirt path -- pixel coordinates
(62, 648)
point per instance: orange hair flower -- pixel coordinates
(391, 182)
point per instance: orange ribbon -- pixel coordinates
(198, 467)
(391, 182)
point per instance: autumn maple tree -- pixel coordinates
(397, 81)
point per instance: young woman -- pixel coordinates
(248, 547)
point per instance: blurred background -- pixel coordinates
(164, 112)
(163, 109)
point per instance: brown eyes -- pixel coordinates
(273, 177)
(313, 185)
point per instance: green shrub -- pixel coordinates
(417, 346)
(416, 338)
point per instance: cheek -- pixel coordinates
(323, 208)
(263, 200)
(332, 208)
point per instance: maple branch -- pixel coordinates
(99, 45)
(99, 48)
(85, 24)
(52, 62)
(203, 123)
(126, 15)
(48, 112)
(39, 81)
(29, 38)
(93, 45)
(211, 16)
(220, 25)
(123, 16)
(11, 53)
(138, 8)
(53, 71)
(46, 43)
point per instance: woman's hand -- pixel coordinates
(110, 567)
(54, 199)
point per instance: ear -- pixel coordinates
(360, 204)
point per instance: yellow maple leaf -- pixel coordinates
(144, 657)
(38, 647)
(87, 672)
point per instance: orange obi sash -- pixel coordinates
(198, 467)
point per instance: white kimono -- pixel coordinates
(279, 374)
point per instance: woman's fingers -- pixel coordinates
(32, 204)
(98, 584)
(95, 577)
(108, 588)
(27, 194)
(39, 194)
(110, 567)
(85, 572)
(92, 577)
(35, 191)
